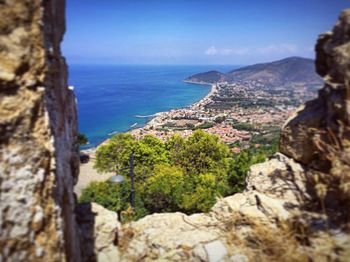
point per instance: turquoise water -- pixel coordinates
(111, 97)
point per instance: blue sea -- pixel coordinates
(116, 98)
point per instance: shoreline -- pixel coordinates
(158, 119)
(157, 116)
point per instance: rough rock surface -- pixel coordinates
(39, 162)
(99, 228)
(207, 237)
(323, 124)
(295, 206)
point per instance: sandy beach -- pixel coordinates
(87, 175)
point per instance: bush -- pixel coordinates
(181, 174)
(162, 192)
(107, 194)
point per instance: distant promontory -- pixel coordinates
(296, 70)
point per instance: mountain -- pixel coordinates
(207, 77)
(292, 70)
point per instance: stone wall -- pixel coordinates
(38, 156)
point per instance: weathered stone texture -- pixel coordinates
(99, 232)
(39, 162)
(320, 131)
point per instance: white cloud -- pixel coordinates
(211, 51)
(271, 49)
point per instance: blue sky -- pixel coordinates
(195, 31)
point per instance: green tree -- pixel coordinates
(149, 152)
(182, 174)
(199, 153)
(107, 194)
(115, 154)
(163, 190)
(200, 193)
(82, 139)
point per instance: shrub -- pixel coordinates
(181, 174)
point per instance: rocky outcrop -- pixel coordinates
(99, 232)
(320, 131)
(39, 162)
(218, 235)
(295, 206)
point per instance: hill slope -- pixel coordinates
(207, 77)
(294, 70)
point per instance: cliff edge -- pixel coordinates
(39, 161)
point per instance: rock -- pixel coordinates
(216, 251)
(99, 232)
(319, 131)
(239, 258)
(39, 161)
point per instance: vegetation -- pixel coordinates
(205, 125)
(181, 174)
(220, 119)
(82, 139)
(244, 126)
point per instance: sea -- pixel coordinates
(116, 98)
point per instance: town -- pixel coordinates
(239, 114)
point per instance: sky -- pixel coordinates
(234, 32)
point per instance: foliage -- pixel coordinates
(163, 190)
(115, 154)
(220, 119)
(82, 140)
(181, 174)
(200, 193)
(269, 138)
(107, 194)
(205, 125)
(200, 153)
(244, 126)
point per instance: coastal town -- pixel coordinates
(237, 113)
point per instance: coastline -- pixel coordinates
(158, 117)
(161, 116)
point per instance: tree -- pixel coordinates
(182, 174)
(163, 190)
(200, 193)
(115, 154)
(107, 194)
(115, 197)
(82, 139)
(199, 153)
(149, 152)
